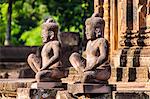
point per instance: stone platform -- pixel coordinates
(88, 88)
(86, 91)
(28, 89)
(46, 85)
(8, 87)
(40, 90)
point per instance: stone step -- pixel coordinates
(12, 84)
(131, 86)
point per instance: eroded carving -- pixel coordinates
(94, 66)
(48, 67)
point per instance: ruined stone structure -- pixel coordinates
(127, 29)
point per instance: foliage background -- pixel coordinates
(27, 17)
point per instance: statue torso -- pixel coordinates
(93, 50)
(48, 52)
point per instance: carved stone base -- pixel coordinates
(8, 87)
(72, 77)
(46, 85)
(88, 88)
(27, 93)
(67, 95)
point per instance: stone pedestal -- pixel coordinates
(41, 90)
(88, 88)
(28, 93)
(46, 85)
(8, 87)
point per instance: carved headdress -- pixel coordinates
(96, 21)
(50, 25)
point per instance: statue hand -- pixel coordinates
(42, 69)
(87, 69)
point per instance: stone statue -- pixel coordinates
(94, 67)
(48, 67)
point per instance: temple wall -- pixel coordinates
(127, 28)
(128, 31)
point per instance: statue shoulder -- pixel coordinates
(102, 40)
(56, 43)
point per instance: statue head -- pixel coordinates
(49, 30)
(94, 26)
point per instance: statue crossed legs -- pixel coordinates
(94, 67)
(48, 65)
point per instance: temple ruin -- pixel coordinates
(127, 29)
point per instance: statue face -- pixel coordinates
(45, 37)
(90, 32)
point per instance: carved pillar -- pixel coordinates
(148, 15)
(122, 19)
(107, 19)
(98, 7)
(103, 7)
(113, 26)
(135, 16)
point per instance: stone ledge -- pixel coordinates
(88, 88)
(132, 86)
(28, 93)
(46, 85)
(13, 84)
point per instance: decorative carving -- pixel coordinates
(94, 67)
(48, 65)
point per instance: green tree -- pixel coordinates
(27, 16)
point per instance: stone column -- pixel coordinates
(98, 6)
(122, 19)
(114, 25)
(135, 16)
(106, 17)
(103, 7)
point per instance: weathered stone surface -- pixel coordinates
(8, 87)
(15, 54)
(27, 93)
(67, 95)
(132, 86)
(129, 74)
(73, 76)
(69, 38)
(26, 73)
(134, 90)
(63, 95)
(132, 57)
(130, 95)
(13, 84)
(46, 85)
(88, 88)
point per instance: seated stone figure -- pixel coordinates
(94, 67)
(48, 67)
